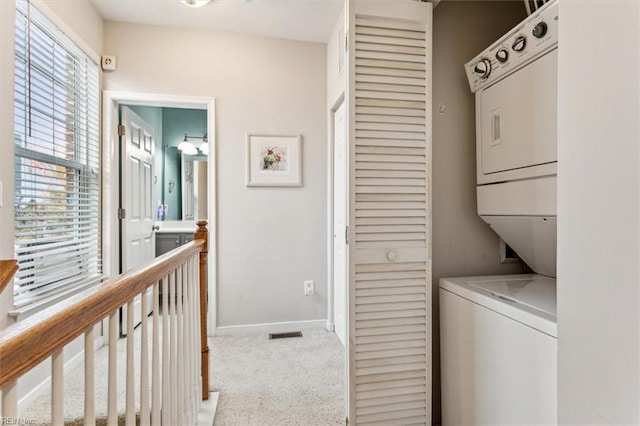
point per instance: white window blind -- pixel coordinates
(57, 160)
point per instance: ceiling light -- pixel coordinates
(195, 3)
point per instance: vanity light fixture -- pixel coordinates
(195, 3)
(189, 148)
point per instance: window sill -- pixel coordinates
(26, 311)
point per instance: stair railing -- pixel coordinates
(173, 356)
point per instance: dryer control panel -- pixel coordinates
(532, 38)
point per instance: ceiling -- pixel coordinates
(305, 20)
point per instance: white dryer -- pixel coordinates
(498, 348)
(515, 85)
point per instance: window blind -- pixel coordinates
(57, 160)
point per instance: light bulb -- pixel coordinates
(204, 148)
(195, 3)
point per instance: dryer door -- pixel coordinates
(517, 120)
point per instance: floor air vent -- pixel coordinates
(285, 335)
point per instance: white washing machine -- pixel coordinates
(498, 348)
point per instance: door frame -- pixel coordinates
(330, 207)
(111, 100)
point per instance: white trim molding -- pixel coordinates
(274, 327)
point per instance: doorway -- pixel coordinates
(112, 101)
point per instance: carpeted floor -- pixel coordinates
(294, 381)
(262, 382)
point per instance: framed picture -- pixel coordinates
(273, 160)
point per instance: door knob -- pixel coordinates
(155, 228)
(392, 256)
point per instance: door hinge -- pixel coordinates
(121, 130)
(346, 235)
(122, 213)
(346, 42)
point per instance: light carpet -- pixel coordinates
(262, 382)
(293, 381)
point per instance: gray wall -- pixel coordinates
(269, 239)
(462, 243)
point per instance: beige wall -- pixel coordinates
(269, 239)
(599, 213)
(462, 243)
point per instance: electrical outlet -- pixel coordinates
(308, 288)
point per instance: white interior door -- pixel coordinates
(138, 239)
(340, 209)
(389, 309)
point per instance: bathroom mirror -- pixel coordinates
(194, 187)
(184, 187)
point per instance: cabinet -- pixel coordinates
(165, 242)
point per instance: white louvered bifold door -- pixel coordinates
(390, 213)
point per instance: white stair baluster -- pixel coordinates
(57, 388)
(155, 359)
(10, 400)
(187, 343)
(180, 355)
(130, 410)
(198, 343)
(166, 389)
(174, 348)
(144, 361)
(112, 391)
(89, 379)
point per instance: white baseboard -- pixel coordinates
(331, 327)
(275, 327)
(45, 385)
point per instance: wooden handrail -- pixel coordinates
(29, 342)
(8, 268)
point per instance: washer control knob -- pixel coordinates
(539, 30)
(483, 68)
(502, 55)
(519, 44)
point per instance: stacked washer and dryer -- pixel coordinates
(499, 333)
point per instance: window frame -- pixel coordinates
(83, 174)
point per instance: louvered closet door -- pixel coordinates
(390, 255)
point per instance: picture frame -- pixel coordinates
(274, 160)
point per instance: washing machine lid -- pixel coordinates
(529, 299)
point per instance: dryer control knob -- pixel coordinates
(502, 55)
(539, 30)
(483, 68)
(519, 44)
